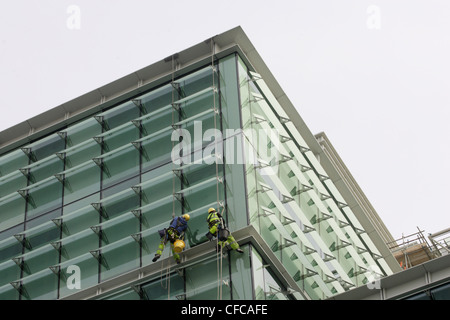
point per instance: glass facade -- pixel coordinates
(441, 292)
(92, 196)
(295, 206)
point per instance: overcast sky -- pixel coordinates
(373, 75)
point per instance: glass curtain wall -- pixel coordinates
(294, 205)
(94, 195)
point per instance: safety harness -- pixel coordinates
(175, 230)
(215, 218)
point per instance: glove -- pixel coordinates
(210, 236)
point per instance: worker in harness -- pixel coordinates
(174, 234)
(218, 229)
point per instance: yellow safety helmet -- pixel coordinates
(186, 217)
(178, 246)
(211, 210)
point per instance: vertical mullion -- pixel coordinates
(242, 138)
(25, 224)
(61, 226)
(100, 218)
(219, 93)
(140, 194)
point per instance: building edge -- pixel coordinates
(356, 199)
(402, 285)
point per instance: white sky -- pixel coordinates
(382, 95)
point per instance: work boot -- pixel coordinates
(157, 256)
(239, 250)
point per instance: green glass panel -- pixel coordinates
(122, 186)
(156, 120)
(9, 248)
(156, 99)
(9, 271)
(12, 210)
(118, 228)
(235, 196)
(196, 81)
(157, 172)
(38, 259)
(77, 244)
(156, 149)
(40, 235)
(308, 207)
(195, 173)
(197, 103)
(157, 188)
(258, 276)
(197, 128)
(8, 292)
(87, 266)
(81, 203)
(233, 75)
(43, 197)
(43, 169)
(118, 204)
(204, 283)
(230, 98)
(118, 115)
(80, 181)
(201, 194)
(259, 273)
(80, 153)
(266, 285)
(11, 231)
(120, 165)
(241, 274)
(45, 147)
(244, 98)
(167, 287)
(157, 212)
(78, 220)
(82, 131)
(12, 161)
(12, 182)
(32, 223)
(40, 286)
(117, 137)
(119, 257)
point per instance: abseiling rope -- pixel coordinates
(173, 142)
(216, 112)
(173, 176)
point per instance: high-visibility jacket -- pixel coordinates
(213, 219)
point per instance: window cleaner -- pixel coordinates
(174, 234)
(218, 229)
